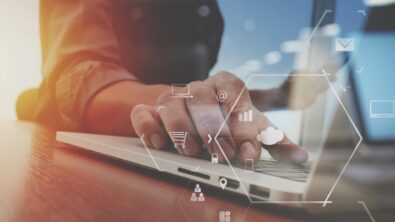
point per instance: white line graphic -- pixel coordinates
(149, 153)
(367, 210)
(356, 147)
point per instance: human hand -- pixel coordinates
(204, 114)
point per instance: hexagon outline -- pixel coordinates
(327, 11)
(326, 201)
(325, 74)
(317, 25)
(179, 199)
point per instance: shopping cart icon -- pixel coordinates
(178, 138)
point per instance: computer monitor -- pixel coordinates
(374, 86)
(371, 71)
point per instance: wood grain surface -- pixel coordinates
(43, 180)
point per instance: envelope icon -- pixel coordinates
(345, 44)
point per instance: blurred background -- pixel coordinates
(254, 33)
(20, 57)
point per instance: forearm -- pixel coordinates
(109, 111)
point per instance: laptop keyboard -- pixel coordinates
(293, 172)
(274, 168)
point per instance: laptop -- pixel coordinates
(263, 181)
(316, 186)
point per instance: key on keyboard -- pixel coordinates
(275, 168)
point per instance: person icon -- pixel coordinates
(201, 197)
(198, 189)
(194, 198)
(227, 216)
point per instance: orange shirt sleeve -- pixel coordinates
(81, 55)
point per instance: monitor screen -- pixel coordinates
(374, 85)
(382, 108)
(373, 76)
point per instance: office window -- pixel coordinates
(255, 30)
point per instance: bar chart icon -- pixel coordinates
(245, 116)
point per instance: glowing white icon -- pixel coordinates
(245, 116)
(181, 91)
(214, 158)
(382, 109)
(210, 138)
(270, 136)
(178, 138)
(345, 44)
(197, 191)
(223, 182)
(224, 216)
(201, 197)
(249, 165)
(222, 95)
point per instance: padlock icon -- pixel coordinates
(214, 158)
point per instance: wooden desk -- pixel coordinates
(43, 180)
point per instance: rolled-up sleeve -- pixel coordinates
(81, 54)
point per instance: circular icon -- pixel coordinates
(222, 95)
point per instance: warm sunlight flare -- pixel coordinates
(20, 58)
(197, 110)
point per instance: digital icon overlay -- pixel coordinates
(178, 138)
(249, 165)
(197, 195)
(223, 182)
(245, 116)
(345, 44)
(224, 216)
(222, 95)
(214, 158)
(270, 136)
(181, 91)
(210, 139)
(382, 109)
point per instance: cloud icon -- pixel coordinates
(270, 136)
